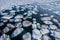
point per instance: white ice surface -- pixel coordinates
(4, 4)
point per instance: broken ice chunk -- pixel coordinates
(48, 22)
(52, 32)
(6, 29)
(1, 24)
(34, 19)
(35, 9)
(5, 37)
(16, 32)
(23, 8)
(57, 34)
(36, 34)
(44, 31)
(12, 14)
(34, 12)
(46, 18)
(34, 26)
(27, 36)
(44, 26)
(5, 20)
(12, 11)
(17, 20)
(46, 37)
(53, 26)
(7, 17)
(56, 12)
(43, 14)
(4, 13)
(25, 13)
(10, 25)
(19, 16)
(18, 24)
(11, 20)
(26, 23)
(29, 13)
(38, 25)
(51, 16)
(55, 20)
(34, 22)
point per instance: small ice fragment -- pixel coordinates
(5, 37)
(46, 18)
(36, 34)
(6, 29)
(16, 32)
(53, 26)
(55, 20)
(27, 23)
(48, 22)
(44, 31)
(7, 17)
(45, 37)
(19, 16)
(27, 36)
